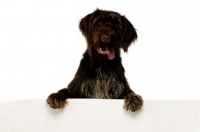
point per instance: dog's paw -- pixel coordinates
(133, 102)
(56, 101)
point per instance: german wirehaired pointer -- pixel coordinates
(101, 73)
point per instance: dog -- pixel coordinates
(101, 73)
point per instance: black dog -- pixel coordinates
(100, 73)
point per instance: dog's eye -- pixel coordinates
(100, 23)
(108, 23)
(118, 26)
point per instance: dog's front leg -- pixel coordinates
(59, 99)
(132, 101)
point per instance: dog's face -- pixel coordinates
(106, 32)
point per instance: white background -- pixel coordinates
(41, 46)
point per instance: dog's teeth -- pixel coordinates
(101, 49)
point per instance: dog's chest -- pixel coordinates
(105, 85)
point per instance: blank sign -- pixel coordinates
(100, 115)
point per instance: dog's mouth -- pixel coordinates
(105, 50)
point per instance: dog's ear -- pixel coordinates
(129, 33)
(86, 22)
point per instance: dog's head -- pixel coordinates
(106, 32)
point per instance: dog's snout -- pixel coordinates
(105, 38)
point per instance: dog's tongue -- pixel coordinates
(110, 53)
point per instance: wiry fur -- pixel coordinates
(101, 73)
(106, 85)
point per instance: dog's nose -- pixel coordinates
(105, 38)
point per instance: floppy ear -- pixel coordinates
(85, 23)
(129, 34)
